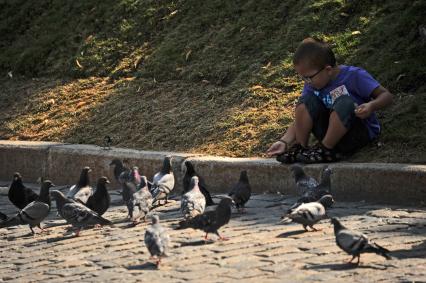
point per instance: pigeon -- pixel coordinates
(323, 188)
(82, 190)
(355, 243)
(129, 186)
(20, 195)
(304, 183)
(193, 202)
(121, 172)
(34, 213)
(190, 172)
(99, 202)
(308, 214)
(210, 221)
(163, 182)
(140, 203)
(77, 214)
(241, 192)
(156, 240)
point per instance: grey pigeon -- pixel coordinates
(82, 190)
(323, 188)
(210, 221)
(308, 214)
(20, 195)
(121, 172)
(130, 185)
(32, 214)
(156, 240)
(193, 202)
(77, 214)
(241, 192)
(140, 203)
(355, 243)
(304, 183)
(190, 172)
(163, 182)
(99, 202)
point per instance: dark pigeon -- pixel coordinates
(163, 182)
(34, 213)
(121, 172)
(190, 172)
(130, 186)
(308, 214)
(304, 183)
(324, 188)
(355, 243)
(156, 240)
(77, 214)
(99, 202)
(20, 195)
(193, 202)
(82, 190)
(241, 192)
(140, 203)
(210, 221)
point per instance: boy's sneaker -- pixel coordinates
(289, 156)
(318, 154)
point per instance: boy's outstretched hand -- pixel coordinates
(364, 110)
(276, 148)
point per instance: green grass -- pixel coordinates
(216, 76)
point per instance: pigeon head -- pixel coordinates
(155, 219)
(103, 180)
(167, 165)
(84, 176)
(47, 184)
(226, 202)
(194, 182)
(116, 162)
(337, 225)
(326, 201)
(297, 171)
(189, 167)
(17, 176)
(244, 176)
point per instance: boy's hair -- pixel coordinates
(315, 53)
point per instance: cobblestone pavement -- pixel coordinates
(259, 249)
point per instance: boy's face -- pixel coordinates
(318, 78)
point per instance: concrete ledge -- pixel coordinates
(376, 182)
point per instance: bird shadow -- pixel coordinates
(346, 266)
(61, 238)
(145, 266)
(195, 243)
(291, 233)
(418, 251)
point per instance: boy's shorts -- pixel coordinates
(357, 135)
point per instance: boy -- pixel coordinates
(337, 105)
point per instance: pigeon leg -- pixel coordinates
(157, 263)
(353, 257)
(358, 261)
(314, 229)
(77, 233)
(32, 231)
(304, 227)
(167, 199)
(221, 238)
(42, 229)
(206, 236)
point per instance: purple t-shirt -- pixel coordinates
(356, 82)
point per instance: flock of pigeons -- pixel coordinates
(83, 206)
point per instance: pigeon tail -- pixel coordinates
(3, 217)
(14, 221)
(375, 248)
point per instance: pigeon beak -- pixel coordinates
(108, 182)
(53, 185)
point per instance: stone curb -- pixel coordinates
(373, 182)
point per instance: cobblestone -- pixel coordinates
(259, 250)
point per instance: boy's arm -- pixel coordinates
(284, 143)
(381, 98)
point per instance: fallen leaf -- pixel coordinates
(187, 55)
(78, 64)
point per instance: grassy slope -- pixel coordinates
(200, 76)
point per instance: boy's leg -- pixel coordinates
(340, 134)
(311, 116)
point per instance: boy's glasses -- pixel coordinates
(308, 79)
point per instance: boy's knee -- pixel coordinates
(312, 104)
(345, 108)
